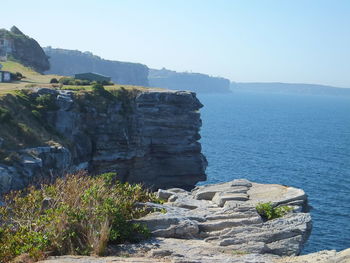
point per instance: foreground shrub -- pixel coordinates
(77, 214)
(268, 211)
(53, 81)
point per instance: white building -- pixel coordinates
(5, 76)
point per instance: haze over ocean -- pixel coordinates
(245, 41)
(300, 141)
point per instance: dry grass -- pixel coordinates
(31, 77)
(77, 214)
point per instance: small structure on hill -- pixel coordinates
(5, 76)
(92, 77)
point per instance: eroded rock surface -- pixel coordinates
(211, 256)
(213, 223)
(217, 223)
(223, 217)
(148, 137)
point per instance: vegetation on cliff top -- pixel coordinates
(23, 114)
(22, 122)
(35, 79)
(77, 215)
(25, 49)
(268, 211)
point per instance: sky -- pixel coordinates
(297, 41)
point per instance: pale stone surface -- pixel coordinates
(195, 229)
(229, 219)
(197, 253)
(325, 256)
(85, 259)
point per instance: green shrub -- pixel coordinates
(106, 83)
(98, 88)
(53, 81)
(77, 214)
(268, 211)
(75, 82)
(65, 80)
(46, 102)
(101, 91)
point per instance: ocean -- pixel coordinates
(295, 140)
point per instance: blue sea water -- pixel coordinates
(301, 141)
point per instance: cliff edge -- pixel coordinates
(22, 48)
(146, 136)
(69, 62)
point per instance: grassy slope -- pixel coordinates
(25, 129)
(31, 77)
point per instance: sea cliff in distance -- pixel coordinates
(289, 88)
(197, 82)
(69, 62)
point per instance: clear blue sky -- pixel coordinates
(287, 41)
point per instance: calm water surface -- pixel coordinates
(301, 141)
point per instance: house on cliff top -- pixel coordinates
(5, 76)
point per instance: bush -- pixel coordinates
(75, 82)
(46, 102)
(268, 211)
(106, 83)
(65, 80)
(101, 91)
(98, 88)
(77, 214)
(53, 81)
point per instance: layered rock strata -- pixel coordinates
(219, 223)
(149, 137)
(223, 217)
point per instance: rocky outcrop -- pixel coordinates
(148, 137)
(196, 82)
(224, 217)
(24, 49)
(69, 62)
(326, 256)
(218, 223)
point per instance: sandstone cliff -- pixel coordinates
(196, 82)
(148, 136)
(24, 49)
(69, 62)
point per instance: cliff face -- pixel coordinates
(196, 82)
(24, 49)
(69, 62)
(148, 137)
